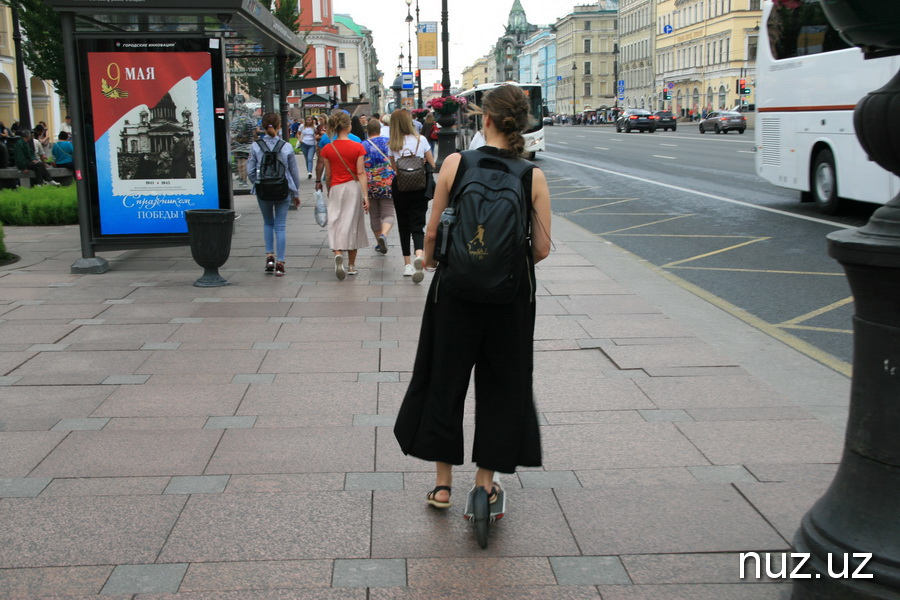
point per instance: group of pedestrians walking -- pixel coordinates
(458, 333)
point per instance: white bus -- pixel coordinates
(534, 135)
(808, 80)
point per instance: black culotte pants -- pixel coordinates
(498, 340)
(411, 208)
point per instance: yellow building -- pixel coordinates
(476, 74)
(44, 101)
(585, 40)
(703, 47)
(637, 20)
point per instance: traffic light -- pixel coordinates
(666, 95)
(743, 90)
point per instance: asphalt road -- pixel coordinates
(692, 206)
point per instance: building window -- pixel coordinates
(587, 67)
(587, 88)
(587, 46)
(754, 4)
(587, 25)
(342, 60)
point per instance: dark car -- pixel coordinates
(665, 120)
(548, 121)
(723, 121)
(636, 118)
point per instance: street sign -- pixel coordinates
(408, 81)
(670, 85)
(559, 77)
(667, 29)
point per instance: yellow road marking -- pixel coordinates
(714, 252)
(607, 204)
(771, 271)
(817, 312)
(809, 328)
(646, 224)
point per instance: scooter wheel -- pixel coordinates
(481, 516)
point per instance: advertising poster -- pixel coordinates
(155, 148)
(428, 44)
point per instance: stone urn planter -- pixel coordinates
(209, 232)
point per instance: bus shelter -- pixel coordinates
(152, 122)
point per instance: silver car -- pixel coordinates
(723, 121)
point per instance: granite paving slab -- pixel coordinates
(82, 364)
(650, 569)
(106, 486)
(670, 355)
(710, 392)
(59, 312)
(324, 360)
(286, 526)
(45, 582)
(761, 591)
(555, 392)
(597, 306)
(793, 472)
(663, 476)
(22, 451)
(130, 453)
(300, 450)
(216, 330)
(738, 442)
(518, 592)
(291, 482)
(783, 504)
(469, 574)
(665, 519)
(257, 575)
(101, 530)
(279, 594)
(171, 400)
(599, 446)
(404, 526)
(21, 406)
(121, 334)
(337, 329)
(296, 394)
(203, 361)
(35, 332)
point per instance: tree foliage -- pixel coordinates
(42, 47)
(256, 74)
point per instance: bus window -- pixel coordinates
(801, 29)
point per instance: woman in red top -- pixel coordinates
(348, 199)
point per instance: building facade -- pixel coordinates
(476, 74)
(537, 64)
(637, 47)
(586, 40)
(43, 101)
(703, 48)
(508, 48)
(357, 62)
(323, 40)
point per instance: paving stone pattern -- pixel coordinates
(160, 440)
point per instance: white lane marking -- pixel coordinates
(661, 156)
(599, 148)
(703, 194)
(565, 143)
(672, 145)
(746, 151)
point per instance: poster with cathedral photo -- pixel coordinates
(154, 147)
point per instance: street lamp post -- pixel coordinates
(574, 68)
(418, 63)
(616, 79)
(447, 133)
(21, 85)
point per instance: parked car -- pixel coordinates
(723, 121)
(548, 121)
(665, 120)
(636, 118)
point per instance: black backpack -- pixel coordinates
(483, 240)
(272, 184)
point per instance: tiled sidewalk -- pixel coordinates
(159, 440)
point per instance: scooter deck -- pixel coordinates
(498, 508)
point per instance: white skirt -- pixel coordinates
(346, 218)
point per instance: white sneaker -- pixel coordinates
(51, 182)
(351, 270)
(419, 269)
(339, 270)
(409, 271)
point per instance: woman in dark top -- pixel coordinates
(496, 339)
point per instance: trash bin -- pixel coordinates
(209, 232)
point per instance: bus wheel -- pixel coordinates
(824, 183)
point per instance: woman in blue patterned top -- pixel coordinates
(380, 175)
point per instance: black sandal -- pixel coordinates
(433, 493)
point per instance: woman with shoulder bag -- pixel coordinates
(274, 213)
(348, 198)
(409, 153)
(497, 339)
(380, 176)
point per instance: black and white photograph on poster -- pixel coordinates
(157, 147)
